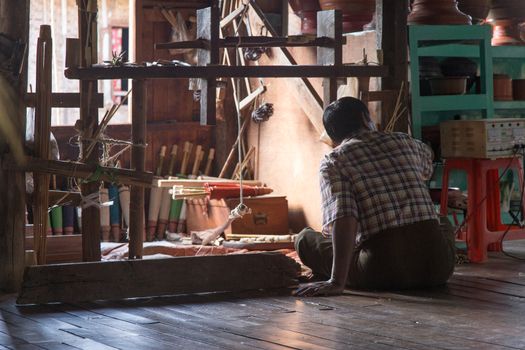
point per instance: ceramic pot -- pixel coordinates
(428, 68)
(505, 16)
(437, 12)
(307, 11)
(356, 13)
(507, 32)
(518, 89)
(477, 9)
(506, 9)
(459, 66)
(502, 87)
(448, 85)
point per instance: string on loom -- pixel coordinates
(241, 209)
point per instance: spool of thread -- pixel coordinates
(165, 206)
(124, 203)
(114, 213)
(181, 225)
(78, 219)
(104, 215)
(173, 221)
(154, 209)
(49, 230)
(68, 217)
(56, 221)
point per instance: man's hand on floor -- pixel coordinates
(319, 288)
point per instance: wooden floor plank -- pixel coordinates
(481, 308)
(196, 331)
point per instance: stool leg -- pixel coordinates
(443, 205)
(477, 185)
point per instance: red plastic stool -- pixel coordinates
(484, 227)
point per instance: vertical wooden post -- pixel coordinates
(392, 40)
(208, 23)
(87, 29)
(138, 153)
(14, 21)
(42, 137)
(330, 24)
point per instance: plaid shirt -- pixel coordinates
(379, 179)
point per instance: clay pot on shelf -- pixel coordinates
(507, 32)
(437, 12)
(502, 87)
(518, 89)
(506, 18)
(505, 9)
(459, 67)
(356, 13)
(428, 68)
(306, 10)
(477, 9)
(448, 85)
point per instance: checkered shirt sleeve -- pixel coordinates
(337, 196)
(426, 156)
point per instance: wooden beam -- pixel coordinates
(87, 24)
(215, 71)
(156, 277)
(65, 100)
(251, 41)
(60, 249)
(232, 15)
(83, 171)
(392, 40)
(138, 162)
(184, 5)
(14, 21)
(42, 137)
(208, 28)
(245, 102)
(330, 24)
(170, 182)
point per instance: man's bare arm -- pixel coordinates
(344, 231)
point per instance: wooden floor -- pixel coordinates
(483, 307)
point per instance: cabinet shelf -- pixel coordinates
(453, 103)
(508, 52)
(509, 105)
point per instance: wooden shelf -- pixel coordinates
(508, 52)
(216, 71)
(251, 41)
(450, 50)
(452, 103)
(509, 104)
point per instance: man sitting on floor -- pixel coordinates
(380, 228)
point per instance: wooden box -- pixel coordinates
(269, 215)
(483, 138)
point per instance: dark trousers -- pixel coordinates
(418, 255)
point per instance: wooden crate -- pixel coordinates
(484, 138)
(269, 215)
